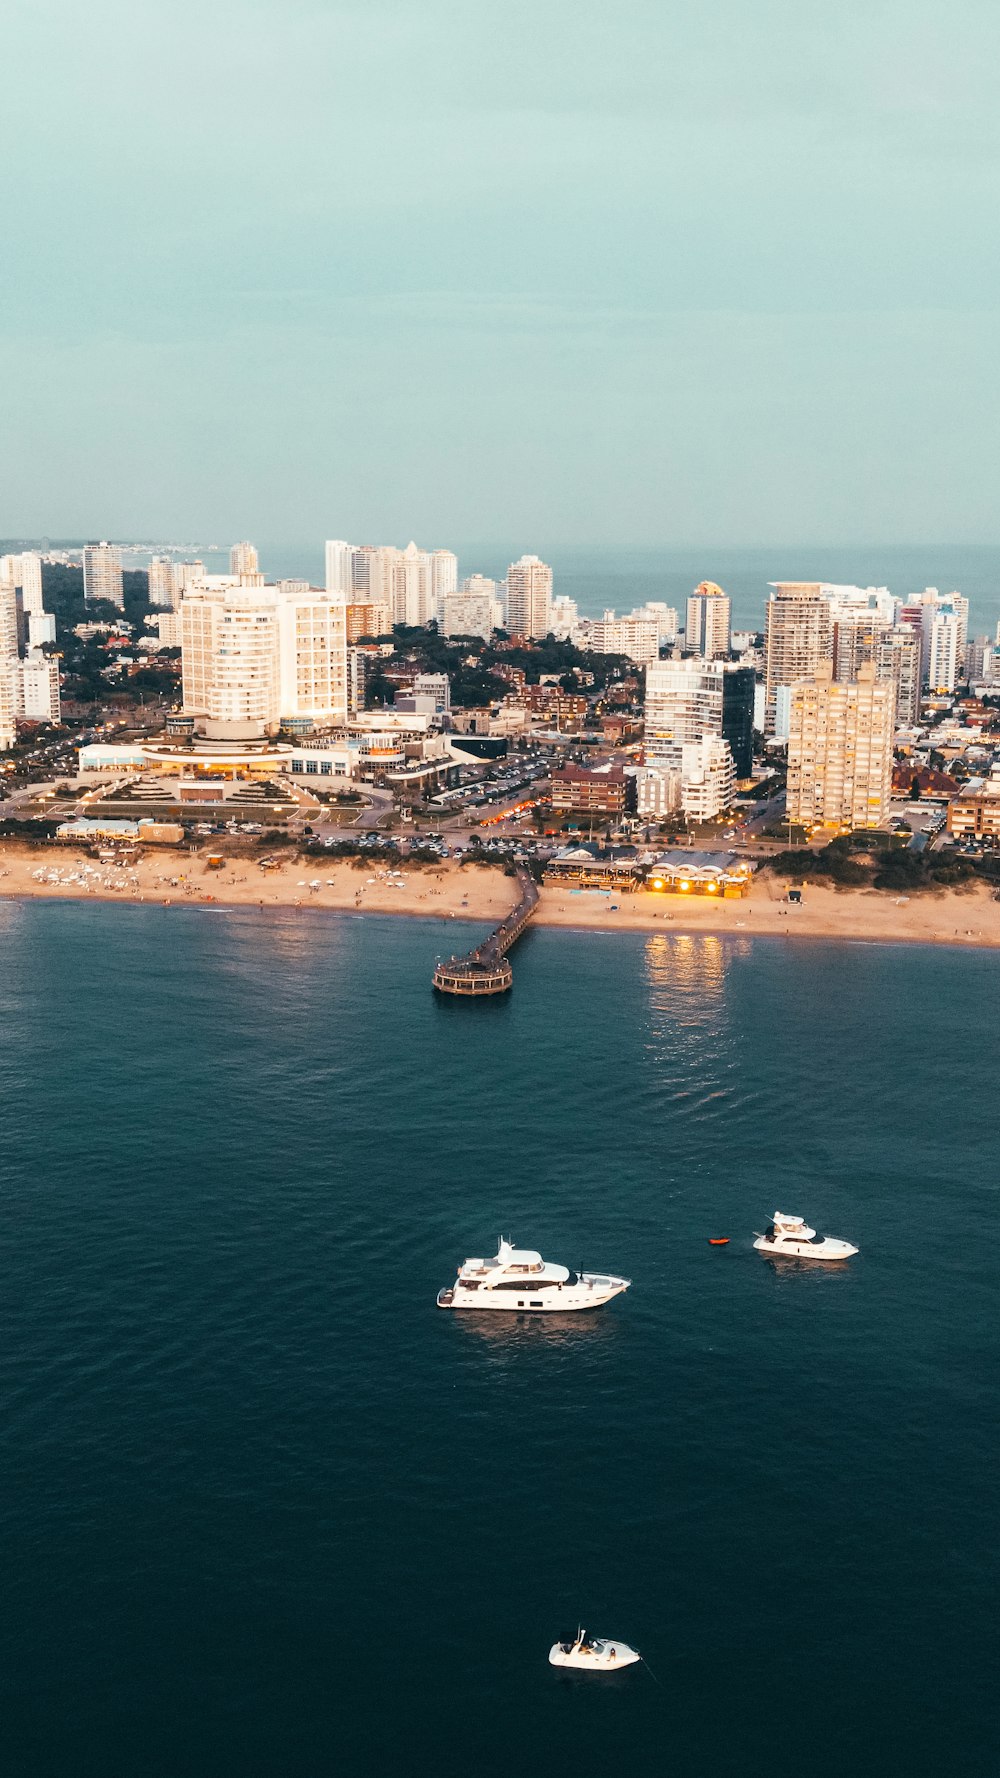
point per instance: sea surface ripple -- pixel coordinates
(267, 1511)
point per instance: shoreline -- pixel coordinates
(964, 918)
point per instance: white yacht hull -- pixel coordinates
(607, 1659)
(824, 1250)
(590, 1292)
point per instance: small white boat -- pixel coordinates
(521, 1280)
(593, 1654)
(792, 1238)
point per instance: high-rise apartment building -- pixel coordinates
(683, 704)
(340, 568)
(373, 573)
(857, 632)
(564, 617)
(930, 605)
(840, 749)
(739, 686)
(637, 638)
(663, 615)
(529, 597)
(875, 599)
(255, 656)
(944, 637)
(184, 575)
(707, 778)
(25, 573)
(244, 564)
(40, 688)
(161, 581)
(468, 613)
(367, 617)
(897, 658)
(102, 574)
(708, 622)
(413, 593)
(10, 607)
(312, 658)
(444, 579)
(799, 638)
(10, 680)
(41, 628)
(979, 660)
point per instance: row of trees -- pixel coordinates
(870, 860)
(473, 685)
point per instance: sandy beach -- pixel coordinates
(448, 891)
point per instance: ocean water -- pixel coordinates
(266, 1510)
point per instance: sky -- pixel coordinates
(551, 271)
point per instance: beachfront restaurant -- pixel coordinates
(683, 872)
(589, 866)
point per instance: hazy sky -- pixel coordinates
(548, 270)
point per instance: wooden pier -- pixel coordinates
(487, 969)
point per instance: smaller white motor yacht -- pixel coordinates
(791, 1238)
(520, 1279)
(593, 1654)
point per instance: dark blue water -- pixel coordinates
(266, 1511)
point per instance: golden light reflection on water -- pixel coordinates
(691, 964)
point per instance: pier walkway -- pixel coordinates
(487, 970)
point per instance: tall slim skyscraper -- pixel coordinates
(529, 597)
(10, 680)
(161, 581)
(840, 749)
(945, 638)
(28, 576)
(102, 574)
(897, 658)
(708, 622)
(444, 579)
(799, 639)
(739, 684)
(9, 625)
(243, 562)
(413, 602)
(339, 568)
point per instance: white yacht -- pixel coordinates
(520, 1279)
(791, 1237)
(593, 1654)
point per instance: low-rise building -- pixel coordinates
(684, 872)
(574, 790)
(589, 866)
(657, 791)
(974, 814)
(148, 831)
